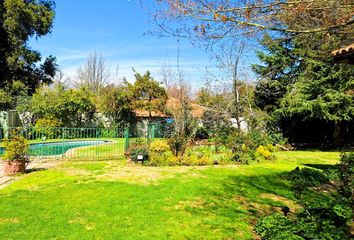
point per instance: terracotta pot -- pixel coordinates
(13, 167)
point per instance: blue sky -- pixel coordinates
(116, 28)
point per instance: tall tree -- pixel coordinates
(301, 85)
(21, 20)
(148, 94)
(229, 59)
(94, 74)
(279, 69)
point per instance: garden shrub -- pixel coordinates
(197, 156)
(48, 122)
(139, 141)
(272, 148)
(207, 155)
(277, 227)
(109, 133)
(202, 133)
(326, 206)
(307, 177)
(242, 154)
(256, 138)
(166, 158)
(47, 127)
(16, 148)
(178, 144)
(243, 157)
(138, 149)
(251, 146)
(161, 154)
(264, 153)
(159, 146)
(195, 160)
(346, 175)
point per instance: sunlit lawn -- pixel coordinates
(112, 150)
(109, 200)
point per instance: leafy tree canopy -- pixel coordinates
(116, 103)
(148, 94)
(72, 107)
(298, 79)
(21, 20)
(300, 82)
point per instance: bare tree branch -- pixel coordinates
(94, 74)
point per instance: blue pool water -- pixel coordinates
(57, 148)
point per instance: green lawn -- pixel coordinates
(113, 150)
(109, 200)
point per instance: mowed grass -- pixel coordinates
(112, 150)
(109, 200)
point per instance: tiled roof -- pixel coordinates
(344, 51)
(145, 113)
(172, 103)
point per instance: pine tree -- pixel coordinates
(301, 85)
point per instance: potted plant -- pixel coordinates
(16, 155)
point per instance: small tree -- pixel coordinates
(116, 103)
(184, 124)
(148, 94)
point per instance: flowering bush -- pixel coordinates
(16, 149)
(263, 153)
(166, 158)
(159, 155)
(159, 146)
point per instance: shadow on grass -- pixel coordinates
(245, 199)
(325, 149)
(321, 166)
(31, 170)
(254, 188)
(216, 203)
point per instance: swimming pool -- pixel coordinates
(57, 148)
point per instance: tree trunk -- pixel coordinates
(237, 107)
(337, 135)
(235, 85)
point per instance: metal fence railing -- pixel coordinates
(73, 143)
(77, 143)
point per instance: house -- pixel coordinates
(162, 120)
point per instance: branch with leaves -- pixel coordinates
(220, 18)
